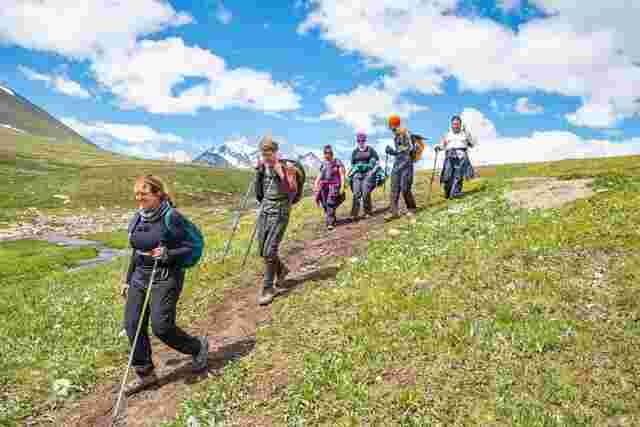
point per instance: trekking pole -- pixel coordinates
(135, 340)
(386, 170)
(236, 221)
(433, 174)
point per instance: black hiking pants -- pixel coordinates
(161, 310)
(401, 184)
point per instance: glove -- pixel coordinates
(123, 290)
(388, 150)
(438, 148)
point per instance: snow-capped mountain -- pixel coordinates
(9, 91)
(243, 153)
(239, 153)
(12, 128)
(310, 161)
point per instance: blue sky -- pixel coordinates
(152, 77)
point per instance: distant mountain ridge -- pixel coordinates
(241, 153)
(21, 115)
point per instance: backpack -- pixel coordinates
(420, 145)
(295, 171)
(193, 235)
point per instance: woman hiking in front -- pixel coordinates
(151, 242)
(329, 186)
(456, 165)
(273, 190)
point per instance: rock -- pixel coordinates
(618, 421)
(62, 387)
(394, 232)
(422, 284)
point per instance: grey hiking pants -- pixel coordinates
(271, 228)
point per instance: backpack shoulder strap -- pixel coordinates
(167, 220)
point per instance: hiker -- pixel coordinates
(273, 190)
(329, 186)
(403, 168)
(150, 241)
(456, 165)
(364, 162)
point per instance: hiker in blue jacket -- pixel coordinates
(150, 242)
(364, 161)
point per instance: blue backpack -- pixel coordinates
(193, 235)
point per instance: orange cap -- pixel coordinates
(394, 121)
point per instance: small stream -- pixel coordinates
(105, 253)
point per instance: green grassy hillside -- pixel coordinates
(477, 314)
(33, 170)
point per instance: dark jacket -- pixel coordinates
(146, 236)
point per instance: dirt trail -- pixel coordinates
(549, 192)
(231, 328)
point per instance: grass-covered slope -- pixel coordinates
(33, 170)
(478, 314)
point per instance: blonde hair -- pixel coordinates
(155, 185)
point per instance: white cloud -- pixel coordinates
(58, 83)
(524, 106)
(102, 133)
(84, 29)
(223, 14)
(146, 74)
(617, 16)
(594, 115)
(367, 107)
(557, 55)
(480, 126)
(141, 73)
(538, 147)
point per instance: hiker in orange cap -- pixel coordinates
(402, 173)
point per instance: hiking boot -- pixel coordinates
(392, 215)
(411, 213)
(141, 381)
(330, 227)
(200, 360)
(266, 296)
